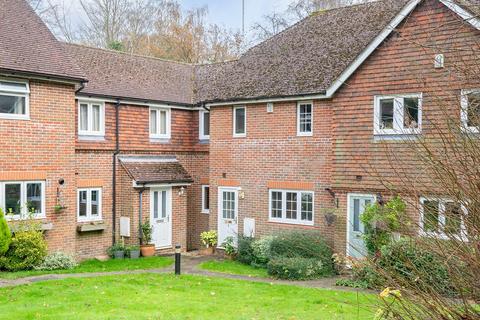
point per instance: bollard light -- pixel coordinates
(178, 258)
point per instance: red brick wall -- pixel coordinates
(45, 143)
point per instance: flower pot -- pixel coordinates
(119, 254)
(134, 254)
(148, 250)
(207, 251)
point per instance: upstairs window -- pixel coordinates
(22, 199)
(400, 114)
(442, 218)
(239, 122)
(204, 125)
(288, 206)
(159, 123)
(91, 118)
(471, 110)
(89, 204)
(14, 98)
(304, 119)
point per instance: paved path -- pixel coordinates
(189, 266)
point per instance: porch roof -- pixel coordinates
(155, 170)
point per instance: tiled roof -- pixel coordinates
(26, 44)
(155, 169)
(304, 59)
(116, 74)
(471, 5)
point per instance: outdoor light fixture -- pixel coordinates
(241, 193)
(181, 192)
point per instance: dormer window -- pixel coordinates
(14, 102)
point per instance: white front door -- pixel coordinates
(356, 206)
(227, 214)
(161, 217)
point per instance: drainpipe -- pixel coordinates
(114, 172)
(82, 86)
(205, 107)
(140, 210)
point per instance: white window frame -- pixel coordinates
(16, 93)
(168, 114)
(201, 127)
(284, 219)
(398, 115)
(89, 217)
(23, 200)
(464, 111)
(441, 218)
(306, 133)
(89, 132)
(205, 210)
(235, 134)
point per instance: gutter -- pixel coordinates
(114, 172)
(82, 86)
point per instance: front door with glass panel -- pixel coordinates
(356, 206)
(227, 214)
(161, 217)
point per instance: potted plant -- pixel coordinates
(147, 249)
(229, 248)
(117, 251)
(133, 252)
(209, 240)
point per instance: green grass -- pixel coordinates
(233, 267)
(154, 296)
(95, 265)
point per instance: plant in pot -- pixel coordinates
(229, 248)
(117, 251)
(133, 252)
(209, 240)
(147, 249)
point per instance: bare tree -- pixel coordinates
(271, 25)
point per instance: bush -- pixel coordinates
(261, 251)
(5, 234)
(209, 238)
(245, 251)
(303, 244)
(27, 250)
(365, 272)
(297, 268)
(57, 261)
(351, 283)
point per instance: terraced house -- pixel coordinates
(95, 141)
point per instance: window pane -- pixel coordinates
(34, 198)
(155, 205)
(453, 218)
(356, 215)
(410, 106)
(206, 198)
(206, 123)
(153, 121)
(12, 104)
(386, 114)
(95, 118)
(13, 86)
(240, 120)
(83, 117)
(473, 110)
(12, 198)
(305, 114)
(430, 216)
(95, 202)
(291, 205)
(164, 204)
(163, 122)
(276, 204)
(82, 208)
(307, 206)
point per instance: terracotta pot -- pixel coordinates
(147, 250)
(207, 251)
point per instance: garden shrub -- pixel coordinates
(303, 244)
(261, 251)
(297, 268)
(27, 250)
(5, 234)
(245, 251)
(57, 261)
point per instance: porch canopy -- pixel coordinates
(151, 170)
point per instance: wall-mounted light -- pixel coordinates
(181, 192)
(241, 193)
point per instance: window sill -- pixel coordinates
(160, 140)
(206, 211)
(91, 138)
(204, 141)
(92, 226)
(299, 134)
(395, 137)
(442, 236)
(296, 223)
(14, 117)
(43, 226)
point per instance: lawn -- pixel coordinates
(95, 265)
(233, 267)
(155, 296)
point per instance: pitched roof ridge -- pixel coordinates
(128, 54)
